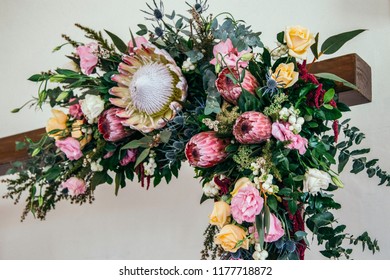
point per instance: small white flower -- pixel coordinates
(257, 247)
(188, 65)
(292, 119)
(300, 121)
(96, 167)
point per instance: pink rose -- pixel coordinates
(88, 57)
(75, 110)
(139, 41)
(75, 186)
(131, 156)
(229, 54)
(282, 132)
(275, 230)
(246, 204)
(71, 148)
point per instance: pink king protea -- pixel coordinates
(252, 127)
(110, 125)
(206, 149)
(231, 92)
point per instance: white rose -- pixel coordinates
(92, 106)
(315, 180)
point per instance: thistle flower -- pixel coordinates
(110, 125)
(157, 12)
(252, 127)
(205, 149)
(229, 90)
(150, 87)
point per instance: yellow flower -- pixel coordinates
(221, 214)
(299, 40)
(242, 182)
(229, 237)
(78, 134)
(285, 75)
(58, 121)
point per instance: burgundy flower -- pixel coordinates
(252, 127)
(231, 92)
(131, 156)
(223, 183)
(206, 149)
(110, 125)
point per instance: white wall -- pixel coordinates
(168, 222)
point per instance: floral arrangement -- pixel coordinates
(260, 130)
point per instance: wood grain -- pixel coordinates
(349, 67)
(355, 70)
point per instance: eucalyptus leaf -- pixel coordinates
(336, 78)
(119, 44)
(142, 157)
(334, 43)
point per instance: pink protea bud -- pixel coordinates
(110, 125)
(231, 92)
(206, 149)
(252, 128)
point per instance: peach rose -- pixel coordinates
(229, 237)
(58, 121)
(299, 40)
(285, 75)
(242, 182)
(221, 214)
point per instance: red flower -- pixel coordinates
(206, 149)
(110, 125)
(252, 127)
(231, 92)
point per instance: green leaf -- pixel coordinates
(322, 219)
(343, 107)
(62, 96)
(142, 157)
(343, 160)
(53, 173)
(329, 95)
(36, 152)
(179, 23)
(20, 145)
(260, 228)
(292, 205)
(314, 47)
(118, 179)
(119, 44)
(248, 102)
(280, 37)
(358, 166)
(327, 106)
(165, 135)
(299, 235)
(371, 163)
(267, 58)
(331, 114)
(37, 78)
(333, 77)
(334, 43)
(285, 192)
(360, 152)
(272, 203)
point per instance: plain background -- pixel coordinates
(167, 222)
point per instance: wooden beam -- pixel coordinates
(349, 67)
(355, 70)
(8, 153)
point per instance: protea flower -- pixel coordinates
(252, 127)
(231, 92)
(110, 125)
(206, 149)
(150, 87)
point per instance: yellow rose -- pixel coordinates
(78, 134)
(299, 40)
(242, 182)
(221, 214)
(58, 121)
(229, 236)
(285, 75)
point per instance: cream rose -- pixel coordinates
(242, 182)
(299, 40)
(221, 214)
(315, 180)
(92, 106)
(229, 236)
(285, 75)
